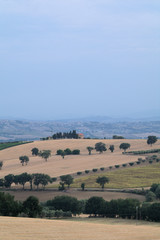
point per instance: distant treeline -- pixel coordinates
(65, 135)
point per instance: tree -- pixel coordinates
(1, 164)
(67, 179)
(151, 140)
(68, 151)
(8, 180)
(150, 196)
(95, 205)
(45, 154)
(100, 147)
(90, 149)
(32, 207)
(76, 152)
(83, 186)
(102, 181)
(65, 203)
(111, 148)
(35, 151)
(124, 146)
(23, 178)
(24, 159)
(8, 206)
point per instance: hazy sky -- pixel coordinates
(77, 58)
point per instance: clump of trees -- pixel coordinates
(72, 134)
(67, 151)
(9, 207)
(153, 193)
(117, 137)
(21, 179)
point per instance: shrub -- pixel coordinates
(150, 196)
(140, 159)
(131, 163)
(54, 179)
(138, 162)
(117, 166)
(67, 151)
(86, 171)
(79, 173)
(76, 152)
(59, 152)
(157, 160)
(110, 167)
(124, 165)
(102, 168)
(94, 169)
(143, 160)
(150, 161)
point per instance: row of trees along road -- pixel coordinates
(33, 179)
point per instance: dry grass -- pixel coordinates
(57, 166)
(38, 229)
(133, 177)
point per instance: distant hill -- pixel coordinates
(15, 130)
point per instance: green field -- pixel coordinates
(5, 145)
(141, 176)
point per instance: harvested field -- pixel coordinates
(57, 166)
(48, 194)
(38, 229)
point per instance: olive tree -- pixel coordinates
(100, 147)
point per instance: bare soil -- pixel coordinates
(50, 194)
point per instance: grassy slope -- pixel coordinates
(141, 176)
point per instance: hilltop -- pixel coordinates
(17, 130)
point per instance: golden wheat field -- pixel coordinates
(56, 166)
(38, 229)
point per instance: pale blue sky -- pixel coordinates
(77, 58)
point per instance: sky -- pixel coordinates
(69, 59)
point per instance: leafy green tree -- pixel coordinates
(151, 140)
(8, 180)
(32, 207)
(102, 181)
(89, 149)
(45, 179)
(154, 187)
(23, 178)
(157, 192)
(24, 159)
(153, 212)
(124, 146)
(111, 148)
(150, 196)
(100, 147)
(67, 179)
(95, 205)
(8, 206)
(35, 151)
(1, 164)
(1, 182)
(65, 203)
(45, 154)
(37, 179)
